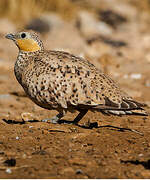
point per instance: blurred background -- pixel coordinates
(112, 34)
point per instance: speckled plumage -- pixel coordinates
(61, 81)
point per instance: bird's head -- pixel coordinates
(26, 41)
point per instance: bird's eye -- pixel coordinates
(23, 35)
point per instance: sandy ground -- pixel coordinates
(34, 149)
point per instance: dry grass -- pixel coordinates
(22, 10)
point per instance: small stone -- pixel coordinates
(27, 116)
(140, 155)
(67, 170)
(24, 156)
(79, 171)
(136, 76)
(133, 76)
(8, 170)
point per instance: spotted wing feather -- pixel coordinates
(80, 85)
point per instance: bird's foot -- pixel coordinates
(53, 120)
(50, 120)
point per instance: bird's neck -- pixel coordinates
(23, 59)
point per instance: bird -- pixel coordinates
(58, 80)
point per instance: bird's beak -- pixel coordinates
(10, 36)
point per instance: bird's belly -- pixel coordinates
(43, 98)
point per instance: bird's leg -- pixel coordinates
(80, 116)
(56, 118)
(82, 112)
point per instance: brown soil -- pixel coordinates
(34, 149)
(43, 150)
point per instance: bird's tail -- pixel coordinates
(140, 112)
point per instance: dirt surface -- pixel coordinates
(30, 148)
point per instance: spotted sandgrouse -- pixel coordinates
(64, 82)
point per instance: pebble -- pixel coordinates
(24, 156)
(140, 155)
(136, 76)
(67, 170)
(30, 126)
(133, 76)
(8, 170)
(17, 138)
(27, 116)
(79, 171)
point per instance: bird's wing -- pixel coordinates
(82, 85)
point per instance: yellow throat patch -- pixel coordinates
(28, 45)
